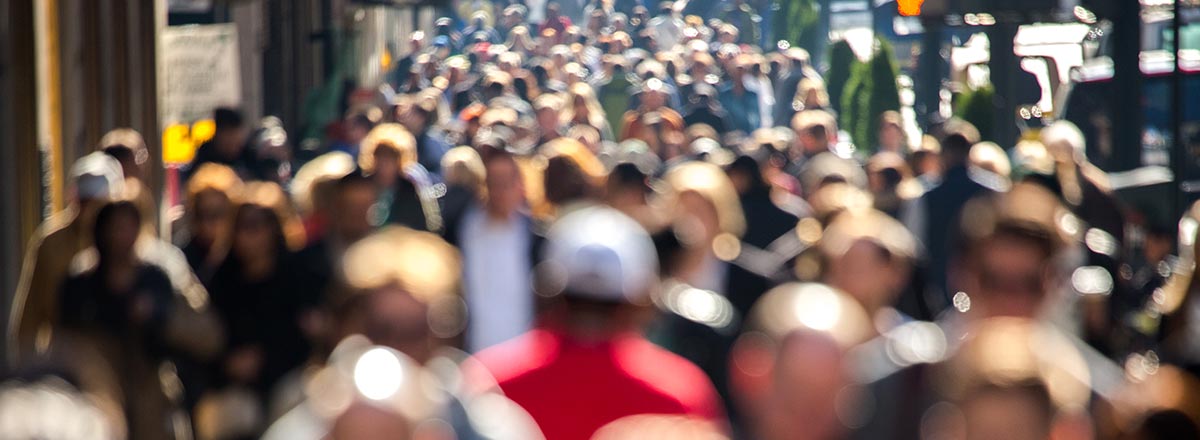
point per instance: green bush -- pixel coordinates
(978, 107)
(796, 22)
(870, 91)
(841, 63)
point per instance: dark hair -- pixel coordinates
(227, 118)
(107, 215)
(355, 178)
(1168, 424)
(956, 144)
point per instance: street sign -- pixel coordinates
(200, 72)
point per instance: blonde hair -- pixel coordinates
(270, 195)
(213, 177)
(711, 183)
(392, 136)
(462, 166)
(583, 91)
(990, 157)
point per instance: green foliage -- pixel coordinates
(796, 22)
(978, 107)
(870, 91)
(841, 63)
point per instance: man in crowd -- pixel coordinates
(228, 144)
(599, 264)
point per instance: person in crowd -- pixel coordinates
(771, 232)
(869, 256)
(612, 90)
(572, 177)
(652, 121)
(741, 16)
(497, 243)
(254, 294)
(512, 16)
(478, 25)
(212, 195)
(465, 177)
(788, 87)
(129, 149)
(926, 162)
(739, 99)
(117, 311)
(317, 267)
(704, 108)
(815, 134)
(548, 108)
(355, 126)
(946, 201)
(987, 156)
(598, 264)
(789, 367)
(555, 20)
(392, 312)
(228, 144)
(419, 114)
(666, 28)
(891, 133)
(96, 177)
(582, 108)
(889, 180)
(630, 166)
(403, 66)
(390, 155)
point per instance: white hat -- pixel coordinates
(97, 176)
(599, 253)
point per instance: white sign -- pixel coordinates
(200, 71)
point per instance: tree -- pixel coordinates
(977, 107)
(841, 63)
(796, 22)
(870, 91)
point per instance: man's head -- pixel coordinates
(355, 196)
(211, 194)
(97, 178)
(788, 369)
(386, 151)
(1065, 142)
(599, 262)
(505, 188)
(891, 132)
(813, 131)
(231, 132)
(127, 147)
(868, 255)
(1011, 379)
(359, 121)
(403, 291)
(1010, 244)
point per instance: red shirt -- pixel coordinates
(573, 388)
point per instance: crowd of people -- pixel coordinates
(598, 221)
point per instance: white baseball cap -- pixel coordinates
(599, 253)
(97, 176)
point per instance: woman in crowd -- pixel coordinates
(213, 192)
(254, 293)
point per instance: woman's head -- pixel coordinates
(211, 194)
(572, 172)
(116, 229)
(387, 150)
(264, 225)
(582, 106)
(702, 193)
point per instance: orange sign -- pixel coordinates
(909, 8)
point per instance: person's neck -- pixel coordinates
(118, 272)
(258, 269)
(498, 215)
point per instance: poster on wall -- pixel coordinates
(200, 72)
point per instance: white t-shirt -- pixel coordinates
(496, 270)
